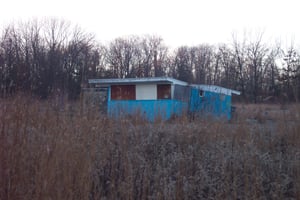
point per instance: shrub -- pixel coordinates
(50, 152)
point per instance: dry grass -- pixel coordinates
(47, 153)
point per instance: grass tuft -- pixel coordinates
(59, 152)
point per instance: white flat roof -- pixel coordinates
(161, 80)
(115, 81)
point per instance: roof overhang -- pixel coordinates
(126, 81)
(160, 80)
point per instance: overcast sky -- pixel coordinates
(178, 22)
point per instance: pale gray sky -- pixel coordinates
(178, 22)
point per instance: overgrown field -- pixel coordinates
(53, 152)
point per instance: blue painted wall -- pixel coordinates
(217, 104)
(149, 109)
(210, 103)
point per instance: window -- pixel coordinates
(123, 92)
(201, 93)
(164, 91)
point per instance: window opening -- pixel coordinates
(201, 93)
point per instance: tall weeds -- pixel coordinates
(52, 152)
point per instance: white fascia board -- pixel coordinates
(177, 82)
(114, 81)
(235, 92)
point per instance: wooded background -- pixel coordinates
(47, 58)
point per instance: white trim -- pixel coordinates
(158, 80)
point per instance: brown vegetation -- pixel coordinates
(52, 152)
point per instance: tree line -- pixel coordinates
(53, 57)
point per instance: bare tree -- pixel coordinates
(229, 71)
(240, 51)
(152, 56)
(291, 73)
(45, 57)
(10, 58)
(271, 74)
(120, 56)
(256, 55)
(204, 58)
(183, 64)
(53, 57)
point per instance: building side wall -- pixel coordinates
(95, 99)
(182, 93)
(212, 103)
(148, 109)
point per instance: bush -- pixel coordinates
(48, 152)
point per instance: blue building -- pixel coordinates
(211, 100)
(158, 98)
